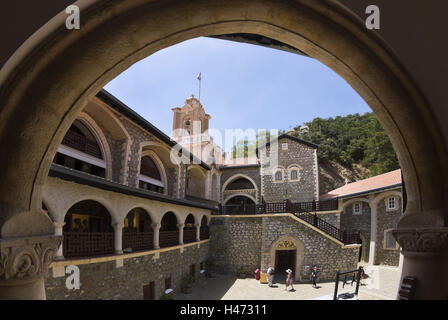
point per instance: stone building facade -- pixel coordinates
(373, 206)
(140, 212)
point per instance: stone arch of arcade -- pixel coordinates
(239, 185)
(292, 245)
(323, 30)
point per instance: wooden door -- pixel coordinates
(149, 291)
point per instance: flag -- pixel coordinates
(199, 76)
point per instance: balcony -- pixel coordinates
(83, 244)
(138, 241)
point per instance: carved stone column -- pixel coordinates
(24, 262)
(425, 253)
(180, 226)
(373, 231)
(198, 231)
(58, 231)
(156, 230)
(118, 238)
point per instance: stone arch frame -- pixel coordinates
(364, 247)
(159, 164)
(240, 194)
(127, 152)
(113, 216)
(125, 212)
(142, 152)
(178, 216)
(283, 172)
(91, 124)
(290, 168)
(300, 253)
(204, 183)
(207, 218)
(325, 30)
(384, 195)
(354, 200)
(215, 194)
(233, 178)
(190, 214)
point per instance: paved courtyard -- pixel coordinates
(382, 284)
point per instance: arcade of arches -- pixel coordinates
(35, 94)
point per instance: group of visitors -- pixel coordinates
(289, 277)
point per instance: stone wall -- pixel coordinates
(313, 249)
(249, 243)
(359, 222)
(106, 281)
(235, 243)
(332, 218)
(386, 220)
(303, 190)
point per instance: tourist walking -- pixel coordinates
(270, 273)
(289, 280)
(314, 276)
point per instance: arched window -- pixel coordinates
(294, 174)
(87, 230)
(81, 151)
(169, 233)
(137, 232)
(150, 176)
(204, 231)
(278, 176)
(189, 229)
(240, 184)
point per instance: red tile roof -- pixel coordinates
(381, 181)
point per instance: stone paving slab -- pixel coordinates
(382, 285)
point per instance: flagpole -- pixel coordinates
(199, 78)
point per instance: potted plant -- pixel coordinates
(166, 296)
(242, 273)
(187, 285)
(209, 267)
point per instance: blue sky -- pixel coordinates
(243, 86)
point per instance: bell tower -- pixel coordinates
(191, 119)
(190, 130)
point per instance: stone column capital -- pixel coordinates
(25, 260)
(156, 226)
(180, 225)
(118, 226)
(58, 224)
(422, 240)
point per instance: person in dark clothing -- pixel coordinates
(314, 276)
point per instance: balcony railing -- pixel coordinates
(280, 207)
(302, 211)
(80, 244)
(79, 142)
(168, 238)
(204, 233)
(138, 241)
(189, 235)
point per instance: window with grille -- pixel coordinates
(357, 208)
(391, 203)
